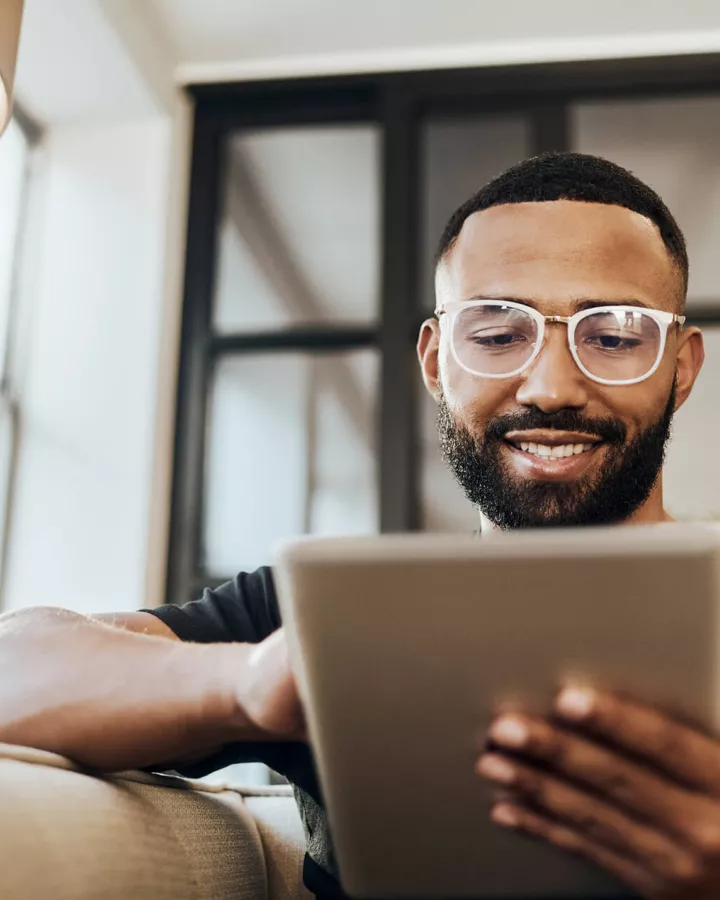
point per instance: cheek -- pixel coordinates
(472, 399)
(637, 405)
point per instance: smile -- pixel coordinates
(552, 452)
(544, 454)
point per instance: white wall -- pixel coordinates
(89, 348)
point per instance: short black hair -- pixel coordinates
(573, 176)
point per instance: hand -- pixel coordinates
(270, 698)
(618, 783)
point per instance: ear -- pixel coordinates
(428, 346)
(690, 357)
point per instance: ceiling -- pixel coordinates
(94, 59)
(216, 37)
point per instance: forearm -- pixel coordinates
(113, 699)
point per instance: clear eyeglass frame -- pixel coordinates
(449, 312)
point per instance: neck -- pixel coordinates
(652, 512)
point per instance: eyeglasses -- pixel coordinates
(610, 344)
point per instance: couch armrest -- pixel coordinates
(67, 833)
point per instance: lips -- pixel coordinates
(553, 462)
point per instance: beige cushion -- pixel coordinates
(281, 835)
(71, 835)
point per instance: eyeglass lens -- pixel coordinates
(615, 345)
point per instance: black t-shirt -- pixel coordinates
(246, 610)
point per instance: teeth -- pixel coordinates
(546, 452)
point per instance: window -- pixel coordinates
(292, 387)
(298, 238)
(315, 208)
(291, 431)
(291, 444)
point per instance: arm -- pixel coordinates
(120, 691)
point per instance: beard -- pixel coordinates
(627, 476)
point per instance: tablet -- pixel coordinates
(404, 646)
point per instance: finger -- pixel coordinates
(685, 754)
(623, 782)
(534, 825)
(590, 816)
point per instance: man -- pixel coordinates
(557, 359)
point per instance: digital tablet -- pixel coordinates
(405, 646)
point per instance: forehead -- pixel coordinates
(557, 252)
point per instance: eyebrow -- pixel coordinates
(579, 305)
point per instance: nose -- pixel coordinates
(553, 381)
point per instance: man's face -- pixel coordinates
(555, 256)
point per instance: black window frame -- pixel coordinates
(397, 103)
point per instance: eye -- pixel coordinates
(612, 342)
(498, 339)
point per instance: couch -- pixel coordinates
(70, 834)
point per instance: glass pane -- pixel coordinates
(692, 479)
(673, 145)
(443, 505)
(298, 241)
(291, 451)
(459, 156)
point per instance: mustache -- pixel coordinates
(607, 429)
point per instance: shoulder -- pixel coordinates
(244, 609)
